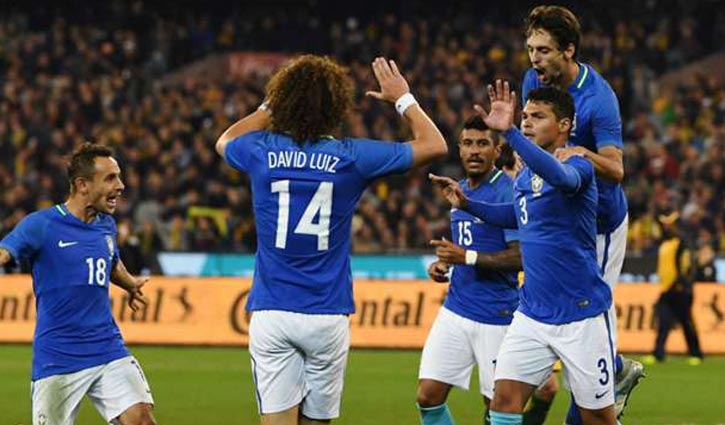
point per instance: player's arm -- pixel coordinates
(507, 260)
(607, 162)
(428, 143)
(500, 215)
(5, 256)
(121, 277)
(557, 174)
(255, 121)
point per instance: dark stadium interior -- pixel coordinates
(109, 71)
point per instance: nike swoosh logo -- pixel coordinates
(62, 244)
(598, 396)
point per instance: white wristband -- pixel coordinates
(404, 102)
(471, 257)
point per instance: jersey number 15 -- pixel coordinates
(320, 205)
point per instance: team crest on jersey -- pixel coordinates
(109, 241)
(537, 183)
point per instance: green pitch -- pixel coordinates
(214, 386)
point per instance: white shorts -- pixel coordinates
(611, 248)
(454, 345)
(112, 388)
(299, 359)
(531, 348)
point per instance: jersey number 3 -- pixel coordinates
(320, 205)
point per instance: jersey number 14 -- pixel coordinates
(320, 205)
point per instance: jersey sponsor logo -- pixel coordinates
(600, 395)
(537, 183)
(62, 244)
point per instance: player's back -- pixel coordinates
(304, 198)
(71, 266)
(597, 124)
(558, 244)
(485, 296)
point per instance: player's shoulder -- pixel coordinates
(581, 163)
(597, 85)
(44, 215)
(106, 221)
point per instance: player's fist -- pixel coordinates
(392, 83)
(438, 271)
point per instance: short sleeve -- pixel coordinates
(374, 158)
(584, 168)
(606, 122)
(26, 238)
(238, 152)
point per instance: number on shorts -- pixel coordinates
(602, 364)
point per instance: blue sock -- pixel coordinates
(436, 415)
(573, 417)
(618, 365)
(500, 418)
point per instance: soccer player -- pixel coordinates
(552, 40)
(78, 349)
(564, 301)
(484, 291)
(306, 183)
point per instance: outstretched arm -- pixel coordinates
(500, 215)
(544, 164)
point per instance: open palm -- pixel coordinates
(503, 107)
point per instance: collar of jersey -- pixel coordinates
(581, 77)
(63, 210)
(492, 176)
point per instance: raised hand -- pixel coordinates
(451, 190)
(503, 107)
(563, 154)
(392, 83)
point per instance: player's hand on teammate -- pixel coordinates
(563, 154)
(503, 107)
(392, 83)
(438, 271)
(451, 190)
(136, 298)
(449, 252)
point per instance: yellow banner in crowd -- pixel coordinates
(390, 314)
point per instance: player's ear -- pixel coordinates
(564, 125)
(569, 51)
(80, 185)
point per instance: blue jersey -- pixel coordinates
(596, 124)
(304, 199)
(562, 280)
(71, 266)
(485, 296)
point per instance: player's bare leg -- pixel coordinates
(508, 400)
(538, 406)
(138, 414)
(604, 416)
(432, 396)
(286, 417)
(304, 420)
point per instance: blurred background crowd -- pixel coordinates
(101, 72)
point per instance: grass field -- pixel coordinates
(213, 386)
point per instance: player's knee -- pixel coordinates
(506, 403)
(429, 396)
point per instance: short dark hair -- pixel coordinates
(561, 102)
(475, 122)
(83, 160)
(309, 98)
(558, 21)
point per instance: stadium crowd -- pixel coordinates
(69, 77)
